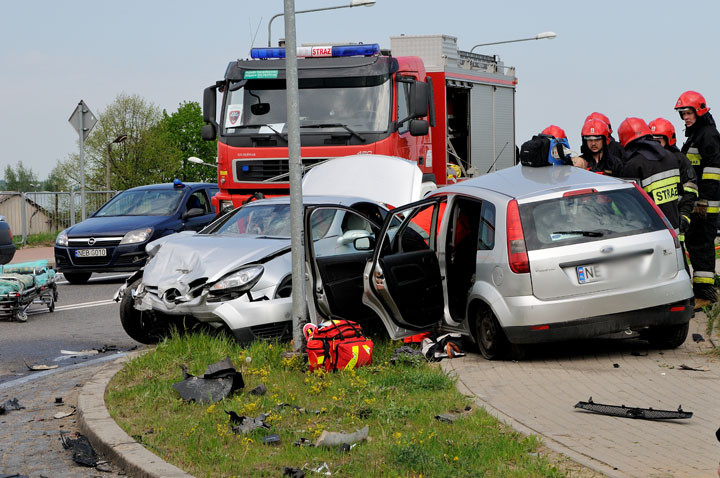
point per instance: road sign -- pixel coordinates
(82, 119)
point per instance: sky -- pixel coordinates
(622, 58)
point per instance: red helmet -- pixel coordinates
(555, 131)
(694, 100)
(632, 129)
(602, 118)
(596, 127)
(662, 127)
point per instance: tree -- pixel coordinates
(20, 178)
(183, 130)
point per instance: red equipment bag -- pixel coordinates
(339, 345)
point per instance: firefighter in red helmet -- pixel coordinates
(664, 133)
(594, 150)
(703, 150)
(613, 146)
(656, 169)
(555, 131)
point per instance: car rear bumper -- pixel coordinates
(668, 314)
(7, 252)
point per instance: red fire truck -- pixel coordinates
(423, 100)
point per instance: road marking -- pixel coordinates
(85, 305)
(29, 378)
(97, 279)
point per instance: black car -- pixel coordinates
(113, 238)
(7, 248)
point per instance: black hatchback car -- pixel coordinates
(114, 237)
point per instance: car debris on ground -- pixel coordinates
(36, 368)
(219, 381)
(259, 390)
(451, 417)
(693, 369)
(11, 404)
(240, 424)
(337, 439)
(82, 451)
(632, 412)
(291, 472)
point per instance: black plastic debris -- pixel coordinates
(717, 434)
(698, 338)
(446, 417)
(11, 404)
(58, 400)
(83, 452)
(259, 390)
(687, 367)
(293, 472)
(632, 412)
(407, 353)
(280, 406)
(245, 425)
(616, 365)
(273, 439)
(220, 380)
(303, 442)
(20, 476)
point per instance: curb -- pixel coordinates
(108, 438)
(584, 460)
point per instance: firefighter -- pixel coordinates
(664, 132)
(613, 146)
(703, 150)
(595, 149)
(656, 169)
(555, 131)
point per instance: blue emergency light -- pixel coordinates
(318, 51)
(178, 184)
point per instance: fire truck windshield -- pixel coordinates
(361, 104)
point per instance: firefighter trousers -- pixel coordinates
(700, 244)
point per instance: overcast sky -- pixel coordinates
(623, 58)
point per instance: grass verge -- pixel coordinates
(36, 240)
(397, 402)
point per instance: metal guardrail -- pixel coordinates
(45, 212)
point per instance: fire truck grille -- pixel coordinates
(264, 169)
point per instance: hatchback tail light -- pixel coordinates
(10, 234)
(661, 214)
(517, 252)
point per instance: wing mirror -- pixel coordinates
(349, 237)
(364, 243)
(194, 212)
(419, 127)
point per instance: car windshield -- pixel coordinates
(272, 220)
(361, 104)
(145, 202)
(587, 217)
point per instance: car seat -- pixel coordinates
(193, 202)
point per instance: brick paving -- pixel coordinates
(538, 395)
(30, 438)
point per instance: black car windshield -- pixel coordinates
(271, 220)
(145, 202)
(587, 217)
(361, 104)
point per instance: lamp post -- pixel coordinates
(539, 36)
(196, 160)
(353, 3)
(119, 139)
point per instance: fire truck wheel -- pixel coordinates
(144, 326)
(77, 277)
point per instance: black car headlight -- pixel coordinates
(239, 281)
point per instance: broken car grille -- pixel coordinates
(275, 330)
(632, 412)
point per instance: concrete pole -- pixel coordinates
(295, 169)
(82, 160)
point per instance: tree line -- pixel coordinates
(155, 150)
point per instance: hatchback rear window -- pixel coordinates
(587, 217)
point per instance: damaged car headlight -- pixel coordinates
(138, 235)
(62, 239)
(239, 281)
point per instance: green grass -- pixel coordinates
(397, 402)
(35, 240)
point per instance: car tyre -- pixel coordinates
(667, 336)
(143, 326)
(77, 277)
(491, 339)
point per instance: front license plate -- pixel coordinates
(91, 253)
(588, 274)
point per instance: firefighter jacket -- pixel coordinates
(688, 184)
(703, 150)
(658, 172)
(609, 164)
(616, 150)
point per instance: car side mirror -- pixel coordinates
(419, 127)
(193, 212)
(364, 244)
(349, 237)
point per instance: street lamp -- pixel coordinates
(539, 36)
(119, 139)
(196, 160)
(353, 3)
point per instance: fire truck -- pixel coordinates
(450, 111)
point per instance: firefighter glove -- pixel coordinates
(684, 224)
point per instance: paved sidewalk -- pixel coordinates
(33, 254)
(538, 395)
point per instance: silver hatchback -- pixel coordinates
(520, 256)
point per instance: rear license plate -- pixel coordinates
(588, 274)
(91, 253)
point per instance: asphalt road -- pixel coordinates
(85, 318)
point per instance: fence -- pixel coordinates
(47, 212)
